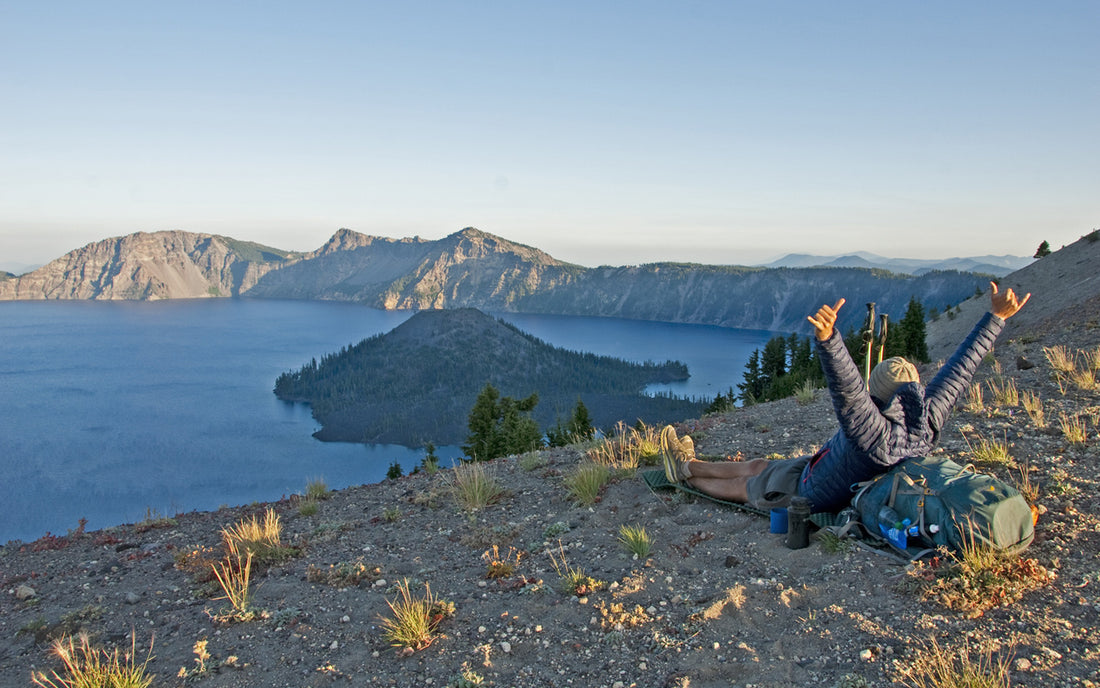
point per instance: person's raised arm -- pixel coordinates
(824, 320)
(953, 379)
(857, 414)
(1005, 305)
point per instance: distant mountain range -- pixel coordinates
(998, 266)
(471, 268)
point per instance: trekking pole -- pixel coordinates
(868, 341)
(882, 335)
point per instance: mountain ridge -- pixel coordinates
(469, 268)
(998, 266)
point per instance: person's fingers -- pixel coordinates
(1021, 304)
(993, 286)
(838, 305)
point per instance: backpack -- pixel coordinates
(935, 502)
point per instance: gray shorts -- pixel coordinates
(777, 483)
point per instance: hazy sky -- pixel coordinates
(601, 132)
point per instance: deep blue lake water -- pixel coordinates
(116, 409)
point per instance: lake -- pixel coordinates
(118, 410)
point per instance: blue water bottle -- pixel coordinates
(893, 527)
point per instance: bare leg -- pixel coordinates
(725, 479)
(725, 469)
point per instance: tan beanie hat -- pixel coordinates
(887, 376)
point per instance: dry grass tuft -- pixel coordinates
(586, 481)
(1004, 391)
(415, 621)
(628, 447)
(1073, 429)
(805, 394)
(316, 489)
(234, 574)
(938, 667)
(1092, 358)
(978, 578)
(87, 667)
(990, 452)
(1082, 378)
(1059, 358)
(1034, 407)
(1066, 369)
(636, 540)
(573, 581)
(974, 399)
(474, 487)
(261, 539)
(1026, 486)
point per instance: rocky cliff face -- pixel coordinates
(751, 298)
(474, 269)
(468, 268)
(148, 266)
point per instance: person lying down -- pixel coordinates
(891, 418)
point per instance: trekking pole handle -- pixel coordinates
(884, 326)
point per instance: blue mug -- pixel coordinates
(779, 521)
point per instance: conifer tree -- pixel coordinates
(752, 389)
(911, 333)
(482, 425)
(501, 425)
(1044, 250)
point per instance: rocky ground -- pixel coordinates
(718, 602)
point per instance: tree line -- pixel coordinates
(788, 363)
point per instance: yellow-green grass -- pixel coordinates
(85, 666)
(415, 620)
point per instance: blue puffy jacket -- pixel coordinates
(872, 439)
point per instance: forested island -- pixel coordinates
(417, 383)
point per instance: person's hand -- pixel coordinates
(825, 318)
(1005, 305)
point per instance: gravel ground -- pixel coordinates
(718, 602)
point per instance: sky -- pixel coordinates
(604, 133)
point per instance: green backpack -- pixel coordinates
(935, 502)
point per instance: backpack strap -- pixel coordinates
(962, 473)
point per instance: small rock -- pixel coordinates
(24, 592)
(345, 618)
(1023, 364)
(1023, 664)
(506, 647)
(867, 655)
(132, 598)
(335, 645)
